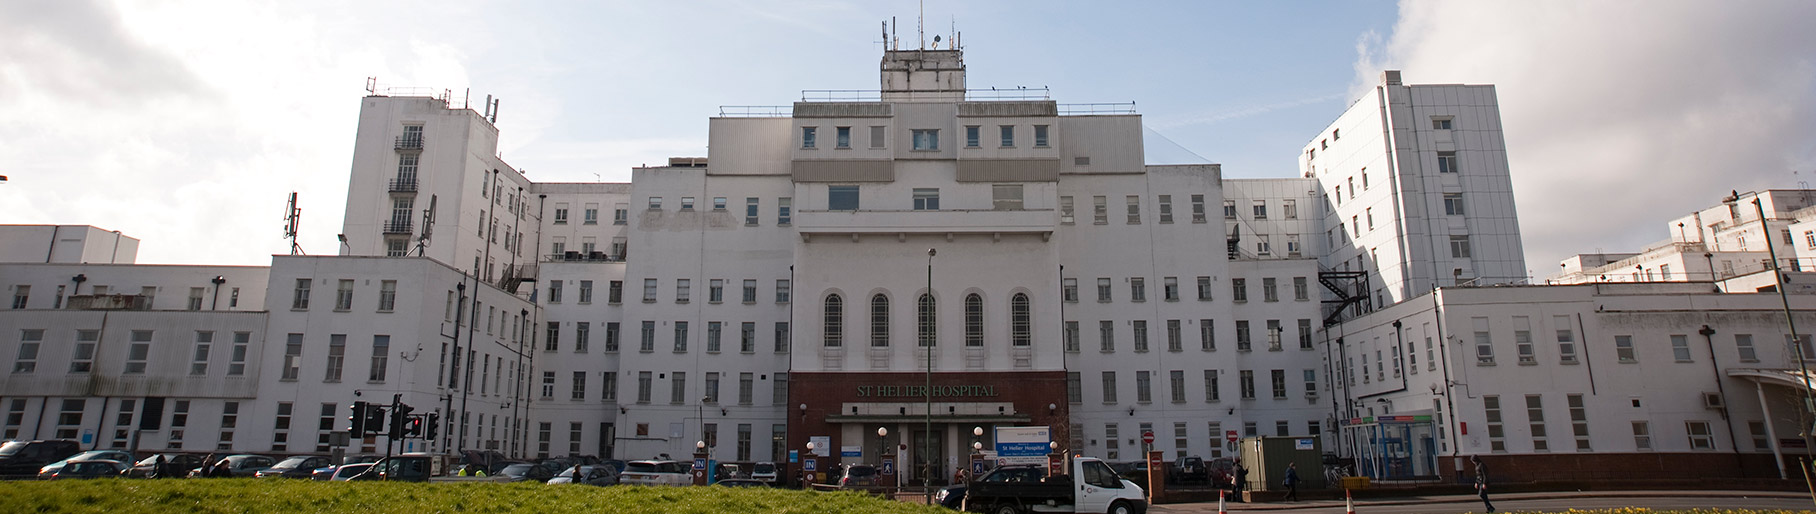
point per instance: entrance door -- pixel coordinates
(929, 455)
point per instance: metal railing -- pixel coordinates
(969, 95)
(402, 185)
(756, 111)
(1096, 109)
(582, 257)
(398, 227)
(409, 143)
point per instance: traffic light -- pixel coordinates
(399, 417)
(375, 419)
(433, 426)
(413, 427)
(357, 421)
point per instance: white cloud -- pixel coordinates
(1621, 115)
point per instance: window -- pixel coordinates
(1040, 136)
(926, 199)
(1700, 436)
(747, 337)
(1566, 339)
(1134, 204)
(1166, 208)
(1744, 344)
(29, 341)
(1623, 348)
(1021, 327)
(614, 292)
(1170, 288)
(1204, 288)
(926, 321)
(1260, 209)
(1100, 213)
(715, 290)
(1497, 435)
(582, 332)
(195, 298)
(655, 204)
(1109, 387)
(1442, 123)
(647, 337)
(1311, 384)
(808, 137)
(750, 212)
(879, 321)
(1210, 386)
(681, 337)
(1138, 289)
(1535, 414)
(1144, 392)
(1459, 247)
(611, 336)
(1103, 290)
(833, 322)
(784, 211)
(649, 290)
(844, 138)
(1453, 204)
(1246, 380)
(1229, 209)
(1289, 209)
(387, 295)
(1305, 335)
(236, 362)
(586, 291)
(876, 136)
(591, 214)
(1447, 162)
(1239, 290)
(1273, 335)
(1680, 347)
(1277, 379)
(719, 203)
(711, 394)
(293, 355)
(1071, 336)
(1270, 290)
(1065, 210)
(926, 139)
(138, 349)
(1141, 335)
(1207, 335)
(1008, 133)
(1197, 208)
(1483, 341)
(1069, 290)
(561, 210)
(1006, 197)
(1106, 336)
(548, 384)
(782, 290)
(1579, 421)
(620, 214)
(337, 357)
(1522, 340)
(1642, 436)
(683, 290)
(299, 298)
(643, 387)
(971, 136)
(677, 388)
(687, 203)
(1074, 388)
(842, 198)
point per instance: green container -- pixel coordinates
(1268, 457)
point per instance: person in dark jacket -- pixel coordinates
(1292, 482)
(157, 467)
(1241, 482)
(1481, 481)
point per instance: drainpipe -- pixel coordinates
(1722, 391)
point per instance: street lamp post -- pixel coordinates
(1803, 369)
(927, 427)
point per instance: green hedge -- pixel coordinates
(287, 496)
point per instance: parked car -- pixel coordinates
(301, 466)
(345, 472)
(1091, 487)
(239, 466)
(741, 482)
(952, 496)
(763, 472)
(25, 458)
(1136, 472)
(589, 475)
(96, 468)
(176, 465)
(327, 472)
(655, 472)
(858, 475)
(1189, 470)
(113, 455)
(1222, 471)
(526, 472)
(729, 471)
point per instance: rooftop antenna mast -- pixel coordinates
(920, 25)
(293, 220)
(428, 226)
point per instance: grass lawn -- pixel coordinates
(298, 496)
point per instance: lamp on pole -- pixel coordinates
(927, 427)
(1803, 369)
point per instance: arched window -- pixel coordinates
(928, 334)
(834, 321)
(974, 320)
(1020, 331)
(879, 320)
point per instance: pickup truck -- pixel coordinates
(1091, 487)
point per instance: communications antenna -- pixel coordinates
(293, 220)
(428, 226)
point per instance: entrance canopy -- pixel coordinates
(1785, 377)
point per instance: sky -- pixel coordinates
(186, 124)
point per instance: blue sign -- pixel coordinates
(847, 452)
(1027, 449)
(794, 456)
(889, 466)
(977, 467)
(810, 464)
(699, 463)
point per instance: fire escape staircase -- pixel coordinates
(1350, 288)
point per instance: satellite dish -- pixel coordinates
(936, 39)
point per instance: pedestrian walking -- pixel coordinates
(1482, 481)
(1242, 477)
(157, 467)
(1292, 482)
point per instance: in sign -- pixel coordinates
(1147, 437)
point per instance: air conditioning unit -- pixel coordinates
(1712, 400)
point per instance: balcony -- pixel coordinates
(397, 227)
(109, 302)
(402, 185)
(409, 143)
(582, 257)
(951, 221)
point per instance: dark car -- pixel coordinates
(1136, 472)
(1222, 471)
(526, 472)
(301, 466)
(589, 475)
(25, 458)
(952, 496)
(1189, 470)
(326, 473)
(238, 466)
(858, 475)
(345, 472)
(176, 465)
(113, 455)
(88, 469)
